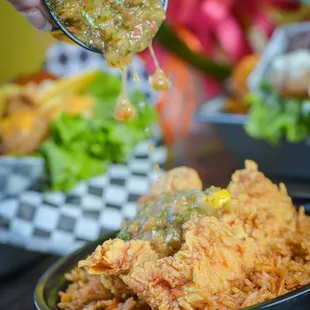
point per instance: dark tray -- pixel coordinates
(46, 297)
(288, 163)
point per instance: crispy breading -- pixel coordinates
(210, 258)
(116, 258)
(265, 211)
(254, 251)
(175, 180)
(22, 132)
(176, 281)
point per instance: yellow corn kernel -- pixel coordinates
(218, 199)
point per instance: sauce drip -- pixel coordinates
(124, 109)
(136, 77)
(158, 81)
(156, 168)
(121, 29)
(150, 147)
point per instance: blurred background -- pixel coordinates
(219, 39)
(24, 50)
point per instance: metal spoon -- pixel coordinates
(63, 34)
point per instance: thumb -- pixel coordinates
(37, 19)
(35, 12)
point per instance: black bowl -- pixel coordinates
(46, 292)
(60, 26)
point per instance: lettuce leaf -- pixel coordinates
(67, 167)
(79, 148)
(276, 118)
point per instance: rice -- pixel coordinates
(285, 269)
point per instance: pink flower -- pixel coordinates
(213, 23)
(222, 27)
(224, 23)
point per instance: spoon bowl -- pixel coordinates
(62, 33)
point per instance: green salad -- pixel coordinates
(79, 148)
(275, 118)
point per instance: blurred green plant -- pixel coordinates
(275, 118)
(171, 41)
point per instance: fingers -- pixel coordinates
(23, 5)
(35, 13)
(36, 18)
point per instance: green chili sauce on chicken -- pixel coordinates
(160, 218)
(121, 29)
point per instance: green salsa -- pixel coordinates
(160, 219)
(120, 28)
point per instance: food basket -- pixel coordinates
(289, 161)
(21, 240)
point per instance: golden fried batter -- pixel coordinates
(210, 258)
(255, 251)
(265, 211)
(116, 258)
(177, 179)
(22, 132)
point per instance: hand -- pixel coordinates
(35, 12)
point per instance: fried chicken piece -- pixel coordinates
(210, 258)
(264, 209)
(216, 255)
(22, 127)
(22, 132)
(24, 100)
(175, 180)
(160, 220)
(116, 258)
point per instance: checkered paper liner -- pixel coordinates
(57, 222)
(34, 218)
